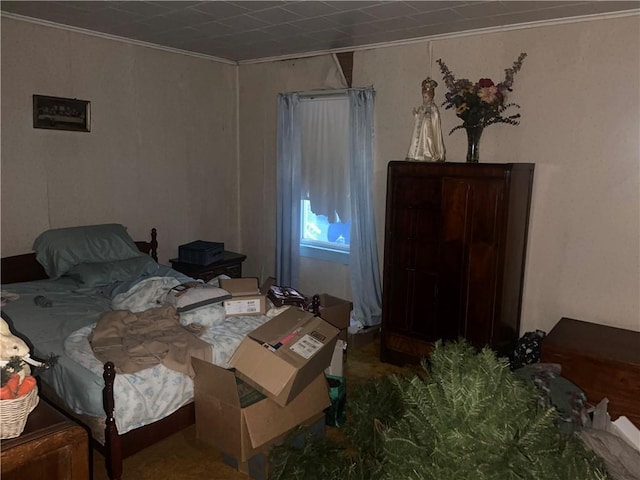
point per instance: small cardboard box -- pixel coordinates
(241, 422)
(246, 297)
(337, 312)
(285, 354)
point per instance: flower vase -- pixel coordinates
(473, 143)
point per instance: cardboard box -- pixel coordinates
(258, 466)
(285, 354)
(241, 422)
(337, 312)
(246, 297)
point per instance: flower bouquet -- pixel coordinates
(479, 104)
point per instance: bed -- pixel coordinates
(125, 413)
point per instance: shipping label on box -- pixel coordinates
(282, 356)
(240, 421)
(307, 346)
(245, 306)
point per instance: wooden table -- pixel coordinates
(51, 447)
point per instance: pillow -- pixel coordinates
(59, 250)
(207, 317)
(104, 273)
(191, 295)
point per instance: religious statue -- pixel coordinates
(426, 141)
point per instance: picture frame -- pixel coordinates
(57, 113)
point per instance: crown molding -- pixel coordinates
(107, 36)
(481, 31)
(467, 33)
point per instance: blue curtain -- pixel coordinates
(363, 255)
(288, 191)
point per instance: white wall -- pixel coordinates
(579, 92)
(580, 98)
(161, 151)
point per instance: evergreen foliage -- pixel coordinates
(469, 418)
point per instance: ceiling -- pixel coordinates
(247, 31)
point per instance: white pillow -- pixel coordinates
(209, 316)
(191, 295)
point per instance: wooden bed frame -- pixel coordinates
(24, 268)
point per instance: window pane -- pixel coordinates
(318, 232)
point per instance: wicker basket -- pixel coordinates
(14, 413)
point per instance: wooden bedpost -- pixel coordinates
(315, 305)
(154, 244)
(113, 449)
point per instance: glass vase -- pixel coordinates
(473, 143)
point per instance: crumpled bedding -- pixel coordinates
(134, 341)
(64, 329)
(144, 295)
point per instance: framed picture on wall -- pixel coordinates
(61, 113)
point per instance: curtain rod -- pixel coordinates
(324, 93)
(318, 93)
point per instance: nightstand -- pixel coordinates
(231, 264)
(51, 446)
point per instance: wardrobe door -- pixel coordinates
(410, 294)
(412, 280)
(470, 256)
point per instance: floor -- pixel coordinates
(183, 457)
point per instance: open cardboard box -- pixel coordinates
(238, 420)
(247, 298)
(285, 354)
(337, 312)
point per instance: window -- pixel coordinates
(325, 211)
(321, 239)
(337, 184)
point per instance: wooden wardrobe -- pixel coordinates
(454, 255)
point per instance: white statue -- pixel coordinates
(426, 141)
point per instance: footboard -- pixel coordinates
(118, 447)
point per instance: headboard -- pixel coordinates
(25, 267)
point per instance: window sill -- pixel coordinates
(324, 254)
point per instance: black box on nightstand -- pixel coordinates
(201, 252)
